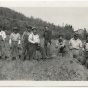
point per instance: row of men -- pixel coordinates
(31, 43)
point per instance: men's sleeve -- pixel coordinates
(50, 36)
(4, 35)
(23, 36)
(10, 41)
(80, 44)
(19, 39)
(57, 43)
(30, 39)
(70, 45)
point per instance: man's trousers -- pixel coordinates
(32, 51)
(47, 48)
(14, 49)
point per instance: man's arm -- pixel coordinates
(10, 41)
(80, 45)
(57, 44)
(50, 36)
(19, 41)
(23, 36)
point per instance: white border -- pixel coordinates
(43, 3)
(33, 3)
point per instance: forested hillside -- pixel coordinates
(10, 18)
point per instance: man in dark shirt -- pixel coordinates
(47, 40)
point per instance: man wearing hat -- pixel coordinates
(25, 41)
(2, 42)
(34, 41)
(47, 40)
(60, 45)
(14, 42)
(75, 45)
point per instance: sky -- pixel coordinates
(75, 16)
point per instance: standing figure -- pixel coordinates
(2, 43)
(60, 45)
(34, 41)
(75, 45)
(47, 41)
(85, 48)
(14, 42)
(25, 42)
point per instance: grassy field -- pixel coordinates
(55, 69)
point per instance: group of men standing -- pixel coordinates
(30, 42)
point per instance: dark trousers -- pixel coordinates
(34, 48)
(60, 50)
(26, 50)
(47, 48)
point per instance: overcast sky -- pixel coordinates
(76, 16)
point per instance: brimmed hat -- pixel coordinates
(34, 28)
(29, 27)
(46, 26)
(15, 28)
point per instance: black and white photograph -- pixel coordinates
(43, 43)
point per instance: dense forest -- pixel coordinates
(10, 18)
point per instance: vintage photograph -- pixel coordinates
(44, 43)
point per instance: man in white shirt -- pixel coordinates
(60, 45)
(2, 42)
(34, 41)
(25, 42)
(75, 45)
(14, 42)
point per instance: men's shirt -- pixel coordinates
(14, 38)
(48, 35)
(77, 44)
(34, 38)
(86, 46)
(3, 35)
(25, 36)
(62, 43)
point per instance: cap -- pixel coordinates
(15, 28)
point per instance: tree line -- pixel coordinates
(10, 18)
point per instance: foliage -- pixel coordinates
(10, 18)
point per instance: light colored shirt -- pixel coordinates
(14, 37)
(77, 44)
(60, 43)
(33, 38)
(3, 34)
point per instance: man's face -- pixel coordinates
(46, 28)
(61, 38)
(15, 31)
(28, 29)
(34, 31)
(75, 37)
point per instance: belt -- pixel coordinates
(14, 41)
(74, 49)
